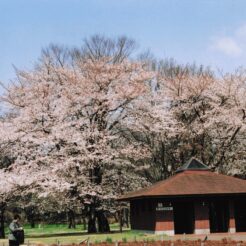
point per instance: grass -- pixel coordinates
(52, 234)
(51, 230)
(127, 236)
(56, 229)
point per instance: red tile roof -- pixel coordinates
(191, 183)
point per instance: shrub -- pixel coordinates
(124, 240)
(109, 240)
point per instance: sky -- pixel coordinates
(208, 32)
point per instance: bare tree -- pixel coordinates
(98, 46)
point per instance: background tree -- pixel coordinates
(211, 111)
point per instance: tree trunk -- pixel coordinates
(32, 224)
(84, 223)
(30, 214)
(71, 219)
(2, 219)
(125, 217)
(116, 217)
(102, 221)
(92, 220)
(120, 219)
(32, 219)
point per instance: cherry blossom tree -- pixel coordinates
(204, 118)
(63, 129)
(212, 113)
(5, 193)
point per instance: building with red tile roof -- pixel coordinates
(194, 200)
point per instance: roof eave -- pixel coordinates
(126, 199)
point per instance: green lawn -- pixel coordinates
(51, 229)
(50, 234)
(126, 236)
(56, 229)
(110, 237)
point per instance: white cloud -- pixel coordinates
(233, 45)
(227, 45)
